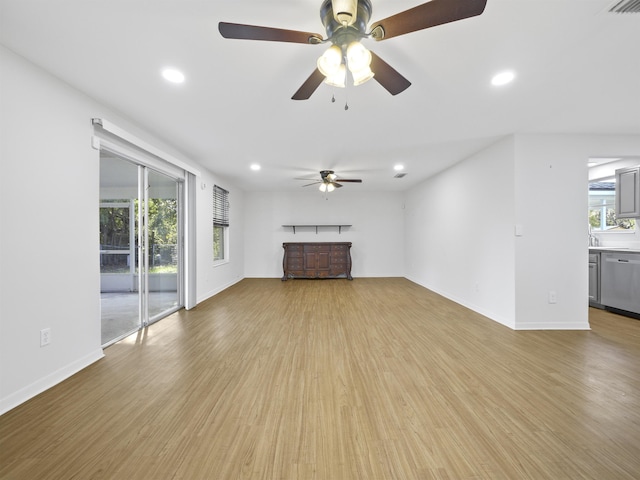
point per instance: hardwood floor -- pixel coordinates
(371, 379)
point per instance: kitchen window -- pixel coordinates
(602, 214)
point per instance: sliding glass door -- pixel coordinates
(163, 282)
(140, 246)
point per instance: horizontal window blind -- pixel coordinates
(220, 207)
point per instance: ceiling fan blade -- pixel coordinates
(337, 185)
(309, 184)
(430, 14)
(351, 180)
(252, 32)
(309, 86)
(387, 76)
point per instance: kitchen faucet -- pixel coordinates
(593, 240)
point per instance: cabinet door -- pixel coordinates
(310, 261)
(323, 260)
(628, 192)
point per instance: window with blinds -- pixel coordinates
(220, 207)
(220, 223)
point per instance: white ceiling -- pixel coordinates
(578, 71)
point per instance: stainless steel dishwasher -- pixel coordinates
(620, 281)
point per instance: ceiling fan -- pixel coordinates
(329, 181)
(345, 22)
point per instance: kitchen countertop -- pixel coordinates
(614, 249)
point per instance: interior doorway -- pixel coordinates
(141, 253)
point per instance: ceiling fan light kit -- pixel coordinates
(329, 181)
(345, 23)
(327, 187)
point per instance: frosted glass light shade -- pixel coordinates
(358, 57)
(327, 187)
(330, 61)
(362, 76)
(337, 79)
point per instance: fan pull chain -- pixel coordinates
(346, 91)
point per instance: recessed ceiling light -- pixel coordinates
(172, 75)
(255, 167)
(503, 78)
(398, 167)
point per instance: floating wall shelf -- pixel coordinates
(339, 227)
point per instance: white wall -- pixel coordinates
(538, 182)
(551, 204)
(50, 223)
(377, 233)
(213, 279)
(49, 197)
(460, 233)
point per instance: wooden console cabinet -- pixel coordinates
(317, 260)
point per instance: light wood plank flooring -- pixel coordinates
(336, 380)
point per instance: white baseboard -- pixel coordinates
(212, 293)
(475, 308)
(14, 399)
(505, 322)
(553, 326)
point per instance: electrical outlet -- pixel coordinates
(45, 337)
(553, 296)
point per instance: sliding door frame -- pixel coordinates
(111, 139)
(110, 136)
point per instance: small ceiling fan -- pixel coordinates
(345, 22)
(329, 181)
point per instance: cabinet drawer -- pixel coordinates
(314, 248)
(295, 273)
(339, 248)
(294, 263)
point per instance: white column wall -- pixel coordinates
(551, 203)
(536, 182)
(460, 233)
